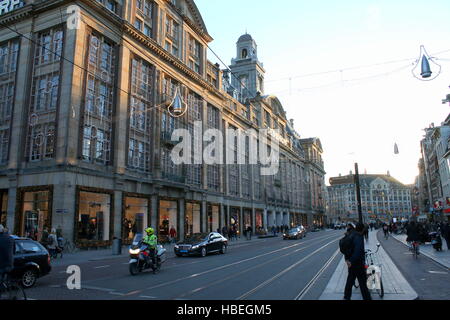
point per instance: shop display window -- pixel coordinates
(35, 215)
(135, 218)
(168, 212)
(192, 219)
(94, 216)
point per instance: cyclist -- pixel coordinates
(412, 232)
(386, 230)
(6, 253)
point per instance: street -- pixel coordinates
(428, 278)
(263, 269)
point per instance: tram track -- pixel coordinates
(285, 271)
(236, 263)
(193, 291)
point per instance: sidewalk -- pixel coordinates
(442, 257)
(395, 285)
(83, 256)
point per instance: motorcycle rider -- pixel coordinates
(151, 240)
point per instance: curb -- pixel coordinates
(337, 280)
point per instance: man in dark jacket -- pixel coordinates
(446, 234)
(6, 253)
(355, 263)
(412, 232)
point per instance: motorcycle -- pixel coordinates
(436, 240)
(140, 257)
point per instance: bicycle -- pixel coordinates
(373, 271)
(415, 249)
(68, 247)
(10, 289)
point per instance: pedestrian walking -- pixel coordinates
(225, 231)
(44, 238)
(249, 233)
(52, 244)
(355, 260)
(173, 235)
(366, 232)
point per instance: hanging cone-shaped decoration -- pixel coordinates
(426, 68)
(177, 107)
(396, 149)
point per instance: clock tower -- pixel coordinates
(247, 72)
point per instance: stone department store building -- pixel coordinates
(382, 198)
(85, 137)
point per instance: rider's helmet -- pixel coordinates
(149, 231)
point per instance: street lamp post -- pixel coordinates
(358, 193)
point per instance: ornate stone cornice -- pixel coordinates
(167, 57)
(16, 15)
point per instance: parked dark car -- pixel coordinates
(202, 244)
(31, 261)
(295, 233)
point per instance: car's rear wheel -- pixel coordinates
(203, 252)
(29, 278)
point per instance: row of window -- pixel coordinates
(97, 113)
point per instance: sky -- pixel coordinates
(371, 101)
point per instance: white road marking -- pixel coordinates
(265, 283)
(238, 262)
(100, 267)
(116, 293)
(314, 279)
(148, 297)
(97, 288)
(438, 272)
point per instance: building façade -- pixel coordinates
(86, 135)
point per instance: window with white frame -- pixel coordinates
(233, 169)
(245, 169)
(45, 88)
(9, 52)
(213, 170)
(194, 54)
(172, 32)
(194, 114)
(144, 16)
(111, 5)
(139, 130)
(99, 100)
(170, 171)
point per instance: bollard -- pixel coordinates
(117, 247)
